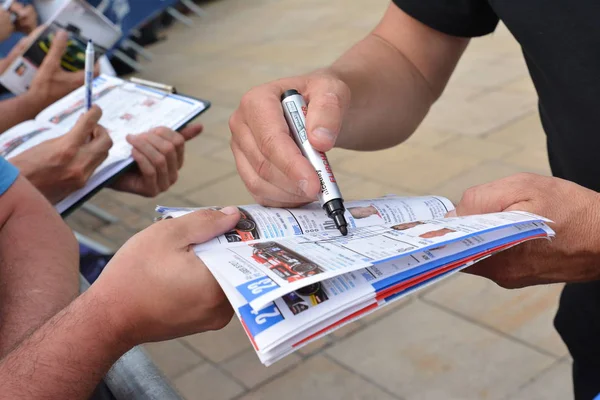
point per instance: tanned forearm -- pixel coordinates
(19, 109)
(39, 261)
(395, 74)
(66, 357)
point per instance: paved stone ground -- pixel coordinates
(462, 339)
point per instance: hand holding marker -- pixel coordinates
(330, 197)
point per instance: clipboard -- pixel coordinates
(165, 89)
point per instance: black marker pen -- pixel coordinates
(294, 108)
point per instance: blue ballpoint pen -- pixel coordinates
(89, 73)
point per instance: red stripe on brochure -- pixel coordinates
(249, 334)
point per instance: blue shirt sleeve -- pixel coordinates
(8, 175)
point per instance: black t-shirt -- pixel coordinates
(561, 43)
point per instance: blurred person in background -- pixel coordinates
(50, 84)
(25, 20)
(376, 95)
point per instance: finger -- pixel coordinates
(85, 126)
(264, 192)
(97, 149)
(177, 140)
(495, 196)
(191, 131)
(328, 100)
(264, 116)
(148, 181)
(57, 49)
(157, 160)
(508, 267)
(167, 148)
(268, 172)
(203, 225)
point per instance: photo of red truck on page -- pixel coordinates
(286, 263)
(245, 229)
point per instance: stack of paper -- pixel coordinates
(290, 287)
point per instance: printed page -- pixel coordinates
(260, 222)
(296, 316)
(25, 136)
(127, 109)
(296, 262)
(361, 307)
(295, 332)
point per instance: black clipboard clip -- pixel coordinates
(154, 85)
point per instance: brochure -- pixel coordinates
(292, 278)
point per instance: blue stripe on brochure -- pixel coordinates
(478, 233)
(418, 286)
(405, 275)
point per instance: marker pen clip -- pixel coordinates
(294, 109)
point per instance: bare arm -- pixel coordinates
(374, 96)
(66, 357)
(394, 74)
(38, 263)
(155, 288)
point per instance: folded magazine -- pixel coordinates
(292, 278)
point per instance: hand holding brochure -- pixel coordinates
(292, 278)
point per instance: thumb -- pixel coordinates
(57, 49)
(191, 131)
(328, 99)
(96, 150)
(203, 225)
(85, 125)
(484, 199)
(505, 194)
(100, 141)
